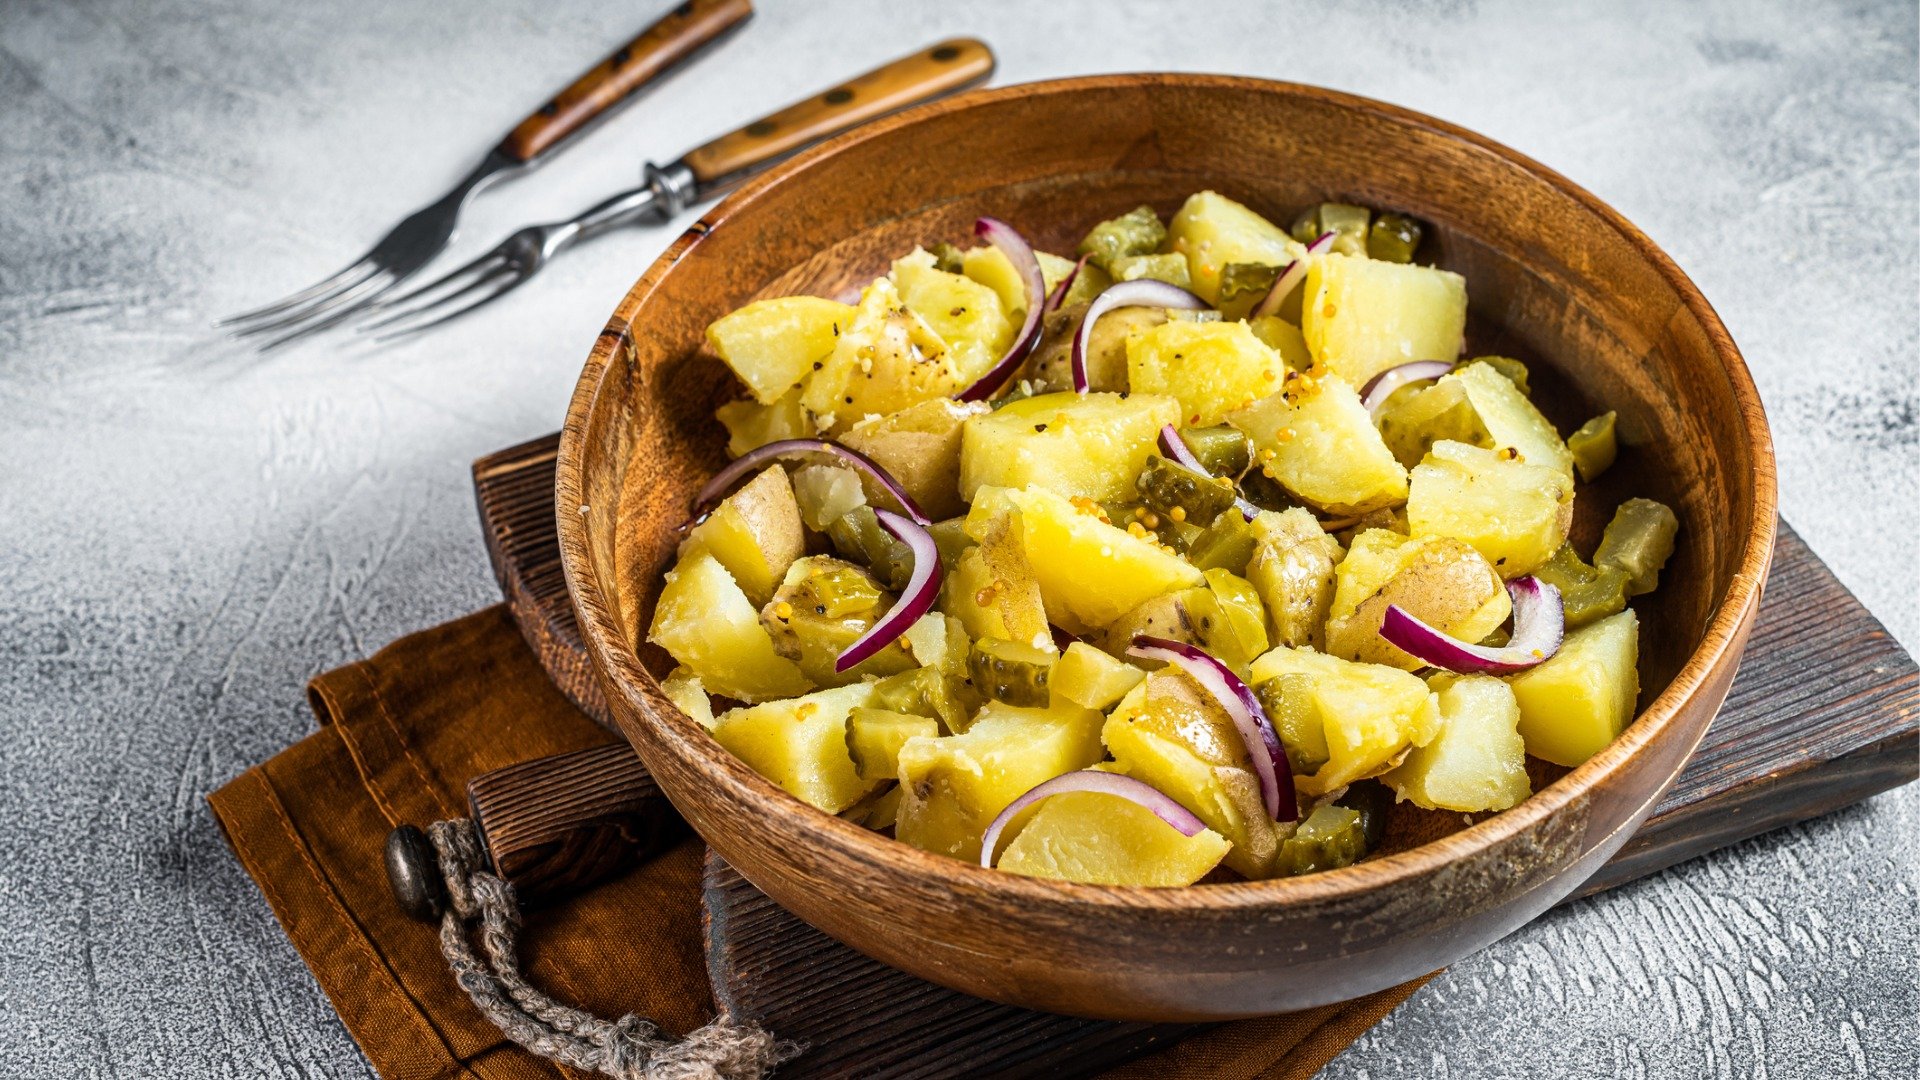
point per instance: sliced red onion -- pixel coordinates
(1263, 742)
(1027, 265)
(1539, 623)
(1381, 386)
(723, 481)
(1141, 292)
(1062, 638)
(1290, 277)
(1134, 791)
(1065, 285)
(1176, 449)
(923, 587)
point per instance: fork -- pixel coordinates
(414, 242)
(698, 175)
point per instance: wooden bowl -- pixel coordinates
(1554, 277)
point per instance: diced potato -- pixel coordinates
(1236, 630)
(939, 641)
(1174, 616)
(801, 744)
(1170, 268)
(751, 425)
(1478, 762)
(992, 590)
(1513, 512)
(709, 626)
(1170, 734)
(1439, 580)
(1104, 839)
(1091, 573)
(1292, 569)
(1051, 365)
(920, 447)
(875, 736)
(953, 787)
(1284, 338)
(1508, 419)
(966, 314)
(827, 493)
(1324, 445)
(1212, 230)
(1361, 317)
(773, 344)
(888, 359)
(989, 267)
(1091, 679)
(1211, 368)
(755, 533)
(683, 688)
(1090, 445)
(1372, 714)
(1583, 697)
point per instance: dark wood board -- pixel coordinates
(1786, 747)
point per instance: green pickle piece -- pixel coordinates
(1514, 370)
(949, 258)
(1393, 238)
(1593, 446)
(1374, 801)
(1170, 268)
(1331, 837)
(1347, 223)
(820, 611)
(1222, 450)
(1589, 593)
(1011, 672)
(1137, 232)
(1167, 485)
(926, 691)
(859, 537)
(1265, 492)
(1227, 544)
(1289, 704)
(1639, 541)
(1242, 285)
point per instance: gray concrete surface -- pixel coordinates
(185, 536)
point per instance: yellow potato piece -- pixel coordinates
(1513, 512)
(1372, 715)
(1317, 440)
(953, 787)
(1091, 679)
(801, 744)
(1583, 697)
(1211, 368)
(1088, 445)
(755, 533)
(1212, 231)
(773, 344)
(1104, 839)
(1478, 762)
(1439, 580)
(967, 315)
(709, 626)
(1361, 316)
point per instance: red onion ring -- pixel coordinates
(717, 488)
(1176, 449)
(923, 587)
(1381, 386)
(1062, 638)
(1138, 792)
(1539, 625)
(1140, 292)
(1270, 763)
(1025, 263)
(1290, 277)
(1065, 285)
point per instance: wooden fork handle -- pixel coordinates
(928, 73)
(677, 36)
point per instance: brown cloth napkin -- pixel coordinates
(399, 735)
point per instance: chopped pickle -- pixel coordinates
(1593, 446)
(1265, 492)
(1221, 448)
(1347, 223)
(1638, 540)
(1243, 285)
(948, 258)
(1227, 544)
(1393, 238)
(950, 536)
(926, 691)
(1587, 592)
(1514, 370)
(858, 536)
(1170, 268)
(875, 736)
(1374, 801)
(1137, 232)
(1170, 488)
(822, 606)
(1091, 679)
(1289, 703)
(1011, 672)
(1331, 837)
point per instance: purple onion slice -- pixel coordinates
(1270, 763)
(1025, 263)
(723, 481)
(1176, 449)
(1539, 625)
(1141, 292)
(1290, 277)
(1065, 285)
(1381, 386)
(1138, 792)
(923, 587)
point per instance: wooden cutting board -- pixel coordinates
(1824, 713)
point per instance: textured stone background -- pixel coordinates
(187, 535)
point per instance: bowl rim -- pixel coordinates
(1724, 634)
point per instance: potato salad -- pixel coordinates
(1194, 557)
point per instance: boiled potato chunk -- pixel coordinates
(1372, 714)
(755, 533)
(967, 315)
(875, 736)
(773, 344)
(1284, 338)
(751, 425)
(1169, 267)
(920, 447)
(1090, 573)
(1211, 368)
(1212, 230)
(888, 359)
(1292, 569)
(1091, 679)
(1513, 512)
(683, 688)
(1508, 419)
(801, 745)
(1478, 762)
(708, 625)
(1583, 696)
(1087, 445)
(992, 590)
(1104, 839)
(1439, 580)
(953, 787)
(1051, 365)
(989, 267)
(1361, 316)
(1324, 446)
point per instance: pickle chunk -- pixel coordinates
(1011, 672)
(1639, 541)
(1332, 837)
